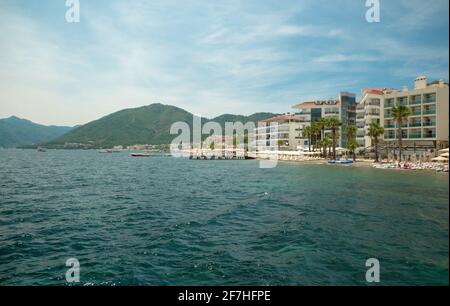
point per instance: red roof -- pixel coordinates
(282, 118)
(374, 91)
(309, 104)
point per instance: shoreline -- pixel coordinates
(368, 164)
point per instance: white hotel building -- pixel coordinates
(428, 125)
(282, 132)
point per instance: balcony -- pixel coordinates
(415, 135)
(415, 124)
(416, 112)
(429, 123)
(431, 111)
(415, 100)
(429, 98)
(402, 101)
(328, 112)
(373, 103)
(373, 113)
(389, 103)
(389, 126)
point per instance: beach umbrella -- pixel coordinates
(445, 155)
(440, 159)
(443, 151)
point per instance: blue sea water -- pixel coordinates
(167, 221)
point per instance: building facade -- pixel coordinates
(368, 111)
(280, 133)
(427, 126)
(343, 109)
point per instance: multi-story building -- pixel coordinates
(368, 111)
(347, 114)
(343, 109)
(282, 132)
(427, 126)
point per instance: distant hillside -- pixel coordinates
(144, 125)
(16, 132)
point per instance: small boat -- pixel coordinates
(341, 162)
(105, 151)
(41, 149)
(139, 155)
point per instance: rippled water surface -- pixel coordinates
(166, 221)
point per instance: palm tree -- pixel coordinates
(322, 123)
(352, 144)
(333, 124)
(307, 133)
(375, 130)
(316, 130)
(400, 113)
(350, 132)
(319, 143)
(326, 143)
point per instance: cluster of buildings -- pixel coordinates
(427, 127)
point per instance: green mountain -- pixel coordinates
(144, 125)
(16, 132)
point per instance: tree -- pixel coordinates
(352, 144)
(333, 124)
(307, 133)
(326, 143)
(320, 145)
(322, 123)
(315, 131)
(375, 130)
(400, 113)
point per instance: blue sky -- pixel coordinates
(209, 57)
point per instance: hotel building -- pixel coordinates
(282, 132)
(427, 126)
(368, 111)
(343, 109)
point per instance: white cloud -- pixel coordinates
(207, 57)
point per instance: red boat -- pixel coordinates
(140, 154)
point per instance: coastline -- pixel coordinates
(364, 164)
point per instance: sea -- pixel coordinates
(171, 221)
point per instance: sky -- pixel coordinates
(209, 57)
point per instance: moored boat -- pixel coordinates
(340, 162)
(139, 154)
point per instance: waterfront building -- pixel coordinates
(428, 125)
(368, 111)
(286, 135)
(343, 109)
